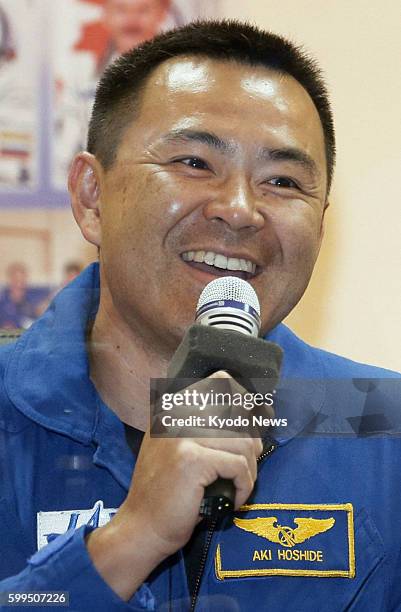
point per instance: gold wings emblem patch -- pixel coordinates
(282, 534)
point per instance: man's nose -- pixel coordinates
(237, 205)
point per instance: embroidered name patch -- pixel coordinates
(288, 540)
(52, 524)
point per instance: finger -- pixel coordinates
(258, 446)
(219, 464)
(237, 446)
(229, 442)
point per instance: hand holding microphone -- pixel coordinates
(225, 337)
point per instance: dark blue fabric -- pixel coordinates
(63, 449)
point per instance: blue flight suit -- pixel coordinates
(321, 531)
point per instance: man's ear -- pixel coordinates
(84, 182)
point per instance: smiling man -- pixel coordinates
(210, 152)
(225, 165)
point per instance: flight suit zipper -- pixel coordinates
(211, 527)
(209, 535)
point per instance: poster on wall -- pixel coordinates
(52, 53)
(19, 82)
(88, 36)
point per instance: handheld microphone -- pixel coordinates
(229, 303)
(224, 337)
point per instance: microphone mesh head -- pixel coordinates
(229, 288)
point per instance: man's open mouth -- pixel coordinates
(220, 265)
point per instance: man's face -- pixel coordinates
(131, 22)
(17, 277)
(224, 159)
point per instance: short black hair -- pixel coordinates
(118, 92)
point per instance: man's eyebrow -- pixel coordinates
(291, 154)
(208, 138)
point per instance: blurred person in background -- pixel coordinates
(16, 310)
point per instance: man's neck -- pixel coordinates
(121, 366)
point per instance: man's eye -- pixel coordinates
(283, 181)
(194, 162)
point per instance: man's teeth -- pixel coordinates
(220, 261)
